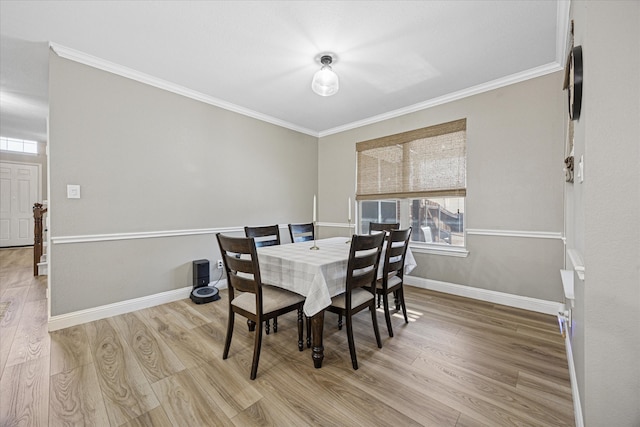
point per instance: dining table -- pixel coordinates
(317, 274)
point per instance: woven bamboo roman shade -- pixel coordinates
(427, 162)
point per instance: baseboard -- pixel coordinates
(89, 315)
(577, 407)
(96, 313)
(517, 301)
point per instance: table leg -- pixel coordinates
(317, 350)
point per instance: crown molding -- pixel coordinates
(102, 64)
(111, 67)
(475, 90)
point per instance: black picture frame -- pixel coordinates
(574, 88)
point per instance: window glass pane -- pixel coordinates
(14, 145)
(388, 212)
(18, 145)
(377, 211)
(369, 214)
(31, 147)
(439, 221)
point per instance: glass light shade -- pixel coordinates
(325, 82)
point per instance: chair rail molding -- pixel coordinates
(58, 240)
(515, 233)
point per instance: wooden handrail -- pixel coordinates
(38, 212)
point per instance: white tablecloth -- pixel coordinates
(316, 274)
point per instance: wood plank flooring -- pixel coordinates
(458, 362)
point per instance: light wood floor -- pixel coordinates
(458, 362)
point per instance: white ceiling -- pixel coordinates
(258, 57)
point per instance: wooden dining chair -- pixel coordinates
(254, 301)
(362, 270)
(301, 232)
(383, 226)
(393, 273)
(267, 235)
(375, 227)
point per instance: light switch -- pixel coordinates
(73, 191)
(581, 169)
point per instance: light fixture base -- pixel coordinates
(326, 60)
(332, 55)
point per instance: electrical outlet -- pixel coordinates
(219, 264)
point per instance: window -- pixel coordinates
(18, 145)
(417, 178)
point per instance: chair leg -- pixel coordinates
(378, 300)
(227, 341)
(387, 314)
(352, 346)
(340, 322)
(267, 326)
(251, 325)
(308, 319)
(374, 320)
(300, 333)
(396, 300)
(404, 306)
(275, 325)
(256, 353)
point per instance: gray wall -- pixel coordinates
(515, 144)
(602, 214)
(149, 160)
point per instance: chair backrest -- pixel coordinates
(364, 257)
(241, 263)
(301, 232)
(383, 226)
(268, 235)
(396, 251)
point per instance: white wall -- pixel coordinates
(515, 144)
(149, 161)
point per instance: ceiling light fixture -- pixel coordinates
(325, 81)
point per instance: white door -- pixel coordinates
(19, 185)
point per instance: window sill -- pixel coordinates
(422, 248)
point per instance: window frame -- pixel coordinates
(384, 172)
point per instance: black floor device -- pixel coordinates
(202, 293)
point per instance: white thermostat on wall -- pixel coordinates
(73, 191)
